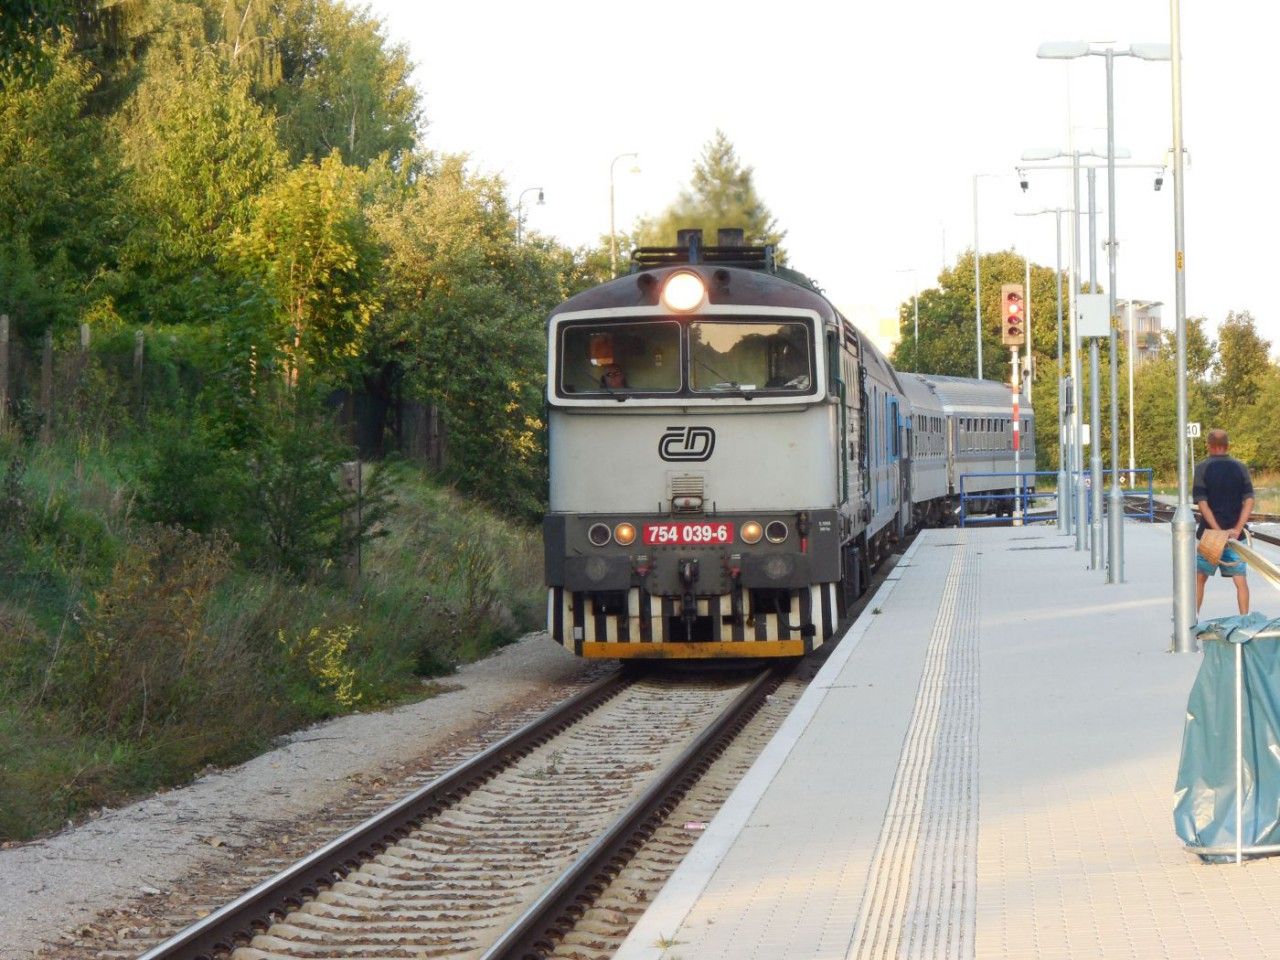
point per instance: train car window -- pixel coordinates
(642, 357)
(895, 444)
(730, 355)
(833, 363)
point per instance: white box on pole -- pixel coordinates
(1093, 315)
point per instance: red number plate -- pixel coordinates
(688, 534)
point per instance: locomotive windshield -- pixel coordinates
(737, 356)
(610, 358)
(668, 357)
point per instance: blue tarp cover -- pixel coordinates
(1205, 809)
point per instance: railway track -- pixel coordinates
(503, 855)
(1164, 514)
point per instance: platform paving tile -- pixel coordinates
(848, 840)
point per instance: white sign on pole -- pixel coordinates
(1193, 430)
(1093, 315)
(1084, 434)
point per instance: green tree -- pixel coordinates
(947, 343)
(1253, 428)
(1242, 362)
(463, 325)
(1155, 397)
(200, 152)
(342, 86)
(722, 193)
(60, 215)
(311, 241)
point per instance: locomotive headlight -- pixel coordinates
(599, 534)
(776, 531)
(751, 532)
(625, 534)
(683, 292)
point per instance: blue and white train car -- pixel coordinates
(980, 439)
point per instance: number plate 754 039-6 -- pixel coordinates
(688, 534)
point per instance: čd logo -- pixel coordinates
(684, 444)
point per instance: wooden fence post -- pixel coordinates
(4, 370)
(352, 480)
(46, 389)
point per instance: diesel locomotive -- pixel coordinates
(730, 457)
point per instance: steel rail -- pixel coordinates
(1164, 513)
(236, 923)
(556, 912)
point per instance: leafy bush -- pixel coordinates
(322, 679)
(187, 479)
(295, 514)
(293, 507)
(151, 664)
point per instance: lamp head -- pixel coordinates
(540, 198)
(1022, 180)
(1063, 50)
(1159, 179)
(1150, 51)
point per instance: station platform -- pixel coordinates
(983, 768)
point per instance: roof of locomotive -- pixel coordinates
(737, 280)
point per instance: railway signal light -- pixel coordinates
(1013, 315)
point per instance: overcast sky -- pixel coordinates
(865, 124)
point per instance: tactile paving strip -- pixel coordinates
(918, 902)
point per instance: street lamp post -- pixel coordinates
(977, 273)
(1143, 51)
(520, 210)
(915, 317)
(915, 304)
(1064, 499)
(1133, 346)
(613, 236)
(1184, 610)
(1095, 393)
(977, 280)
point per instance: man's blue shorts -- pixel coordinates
(1230, 564)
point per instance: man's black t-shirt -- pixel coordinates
(1223, 481)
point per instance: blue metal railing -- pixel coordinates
(1041, 506)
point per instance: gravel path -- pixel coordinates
(48, 888)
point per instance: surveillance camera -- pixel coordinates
(1159, 180)
(1024, 183)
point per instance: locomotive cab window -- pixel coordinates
(728, 356)
(620, 357)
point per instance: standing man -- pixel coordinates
(1223, 491)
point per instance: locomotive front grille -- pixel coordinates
(636, 623)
